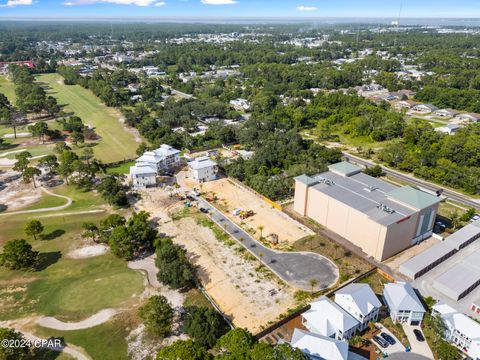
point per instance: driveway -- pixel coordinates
(391, 349)
(295, 268)
(420, 348)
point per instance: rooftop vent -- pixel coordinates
(385, 208)
(325, 181)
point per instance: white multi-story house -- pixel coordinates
(360, 301)
(162, 159)
(403, 303)
(143, 175)
(203, 169)
(326, 318)
(319, 347)
(461, 331)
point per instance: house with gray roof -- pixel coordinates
(403, 303)
(360, 301)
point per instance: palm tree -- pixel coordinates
(260, 228)
(313, 282)
(455, 219)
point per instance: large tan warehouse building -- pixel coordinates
(380, 218)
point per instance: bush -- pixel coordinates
(204, 325)
(174, 269)
(157, 315)
(18, 254)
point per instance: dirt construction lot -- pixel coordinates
(242, 293)
(232, 196)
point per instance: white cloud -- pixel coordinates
(120, 2)
(306, 8)
(12, 3)
(219, 2)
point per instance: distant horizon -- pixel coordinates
(240, 9)
(406, 21)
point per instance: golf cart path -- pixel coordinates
(94, 320)
(67, 349)
(55, 208)
(72, 350)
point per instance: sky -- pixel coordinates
(239, 8)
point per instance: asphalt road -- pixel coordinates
(458, 197)
(295, 268)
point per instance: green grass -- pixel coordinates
(121, 169)
(106, 341)
(64, 288)
(7, 88)
(46, 201)
(194, 297)
(71, 289)
(116, 143)
(35, 150)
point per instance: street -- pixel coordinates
(297, 269)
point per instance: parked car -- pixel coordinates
(380, 341)
(388, 338)
(203, 210)
(418, 335)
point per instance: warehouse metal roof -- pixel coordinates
(456, 280)
(363, 193)
(465, 234)
(419, 262)
(414, 198)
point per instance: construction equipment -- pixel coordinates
(273, 238)
(246, 214)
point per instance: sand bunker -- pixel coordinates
(88, 251)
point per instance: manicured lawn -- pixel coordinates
(116, 143)
(35, 150)
(121, 169)
(7, 88)
(46, 201)
(69, 289)
(106, 341)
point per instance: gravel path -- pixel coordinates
(148, 265)
(94, 320)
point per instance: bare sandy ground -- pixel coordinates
(94, 320)
(230, 280)
(232, 196)
(147, 265)
(88, 251)
(16, 193)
